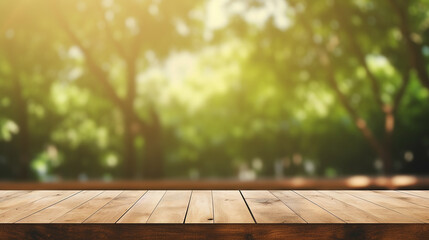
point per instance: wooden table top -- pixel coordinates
(214, 207)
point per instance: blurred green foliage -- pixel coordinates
(112, 89)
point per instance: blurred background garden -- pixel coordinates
(216, 89)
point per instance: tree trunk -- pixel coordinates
(130, 161)
(23, 136)
(154, 150)
(381, 149)
(386, 158)
(389, 126)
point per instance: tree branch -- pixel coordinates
(354, 47)
(401, 91)
(376, 145)
(375, 86)
(414, 50)
(136, 45)
(360, 122)
(129, 59)
(109, 33)
(100, 75)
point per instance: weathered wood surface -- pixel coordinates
(214, 207)
(246, 214)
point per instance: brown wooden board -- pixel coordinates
(200, 207)
(214, 207)
(87, 209)
(116, 208)
(144, 207)
(307, 210)
(398, 205)
(230, 207)
(172, 208)
(267, 208)
(215, 231)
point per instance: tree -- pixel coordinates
(414, 35)
(145, 32)
(345, 39)
(334, 40)
(110, 89)
(24, 71)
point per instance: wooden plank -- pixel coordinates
(257, 194)
(84, 211)
(172, 208)
(200, 207)
(22, 211)
(5, 195)
(307, 210)
(224, 206)
(112, 211)
(23, 200)
(398, 205)
(342, 210)
(267, 208)
(48, 214)
(418, 193)
(383, 215)
(424, 202)
(144, 207)
(229, 207)
(215, 231)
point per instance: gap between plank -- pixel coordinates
(49, 205)
(321, 207)
(189, 202)
(408, 192)
(156, 206)
(78, 206)
(383, 206)
(131, 206)
(405, 200)
(101, 207)
(18, 195)
(213, 212)
(288, 207)
(247, 206)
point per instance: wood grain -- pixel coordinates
(200, 207)
(229, 207)
(24, 210)
(172, 208)
(406, 197)
(307, 210)
(87, 209)
(382, 214)
(142, 210)
(415, 211)
(342, 210)
(267, 208)
(112, 211)
(8, 204)
(214, 207)
(50, 213)
(215, 231)
(418, 193)
(5, 195)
